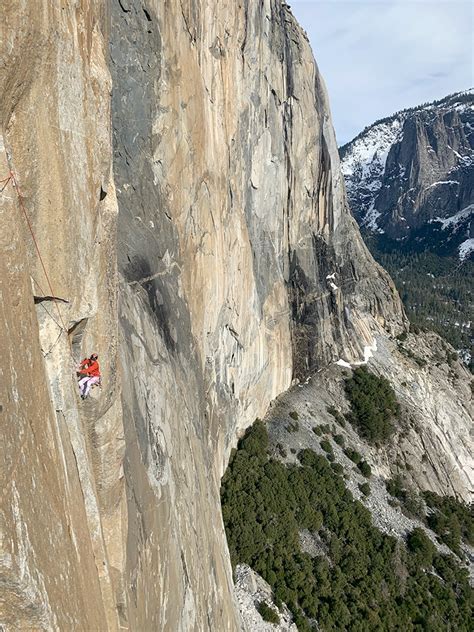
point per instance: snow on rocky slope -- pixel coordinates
(409, 176)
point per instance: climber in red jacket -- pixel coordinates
(90, 371)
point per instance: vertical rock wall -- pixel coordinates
(60, 460)
(232, 214)
(239, 267)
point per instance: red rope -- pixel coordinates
(22, 206)
(7, 180)
(12, 178)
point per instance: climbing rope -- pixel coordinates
(11, 178)
(6, 181)
(16, 186)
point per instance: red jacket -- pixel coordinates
(90, 368)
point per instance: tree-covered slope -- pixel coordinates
(361, 578)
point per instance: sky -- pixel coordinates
(380, 56)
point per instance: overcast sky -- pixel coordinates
(380, 56)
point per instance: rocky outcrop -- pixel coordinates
(251, 590)
(430, 448)
(409, 177)
(432, 444)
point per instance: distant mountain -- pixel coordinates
(410, 184)
(410, 178)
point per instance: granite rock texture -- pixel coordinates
(232, 215)
(180, 172)
(251, 590)
(60, 460)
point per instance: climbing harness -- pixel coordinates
(11, 178)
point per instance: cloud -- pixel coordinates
(379, 56)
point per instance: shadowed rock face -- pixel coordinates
(239, 267)
(410, 177)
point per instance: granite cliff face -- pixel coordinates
(231, 216)
(193, 145)
(409, 177)
(60, 462)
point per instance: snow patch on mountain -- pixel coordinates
(369, 351)
(436, 184)
(407, 171)
(456, 219)
(363, 166)
(368, 154)
(466, 248)
(370, 220)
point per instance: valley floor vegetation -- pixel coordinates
(437, 293)
(363, 579)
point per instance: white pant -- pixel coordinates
(86, 383)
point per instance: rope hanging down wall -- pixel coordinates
(11, 178)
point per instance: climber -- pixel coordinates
(90, 372)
